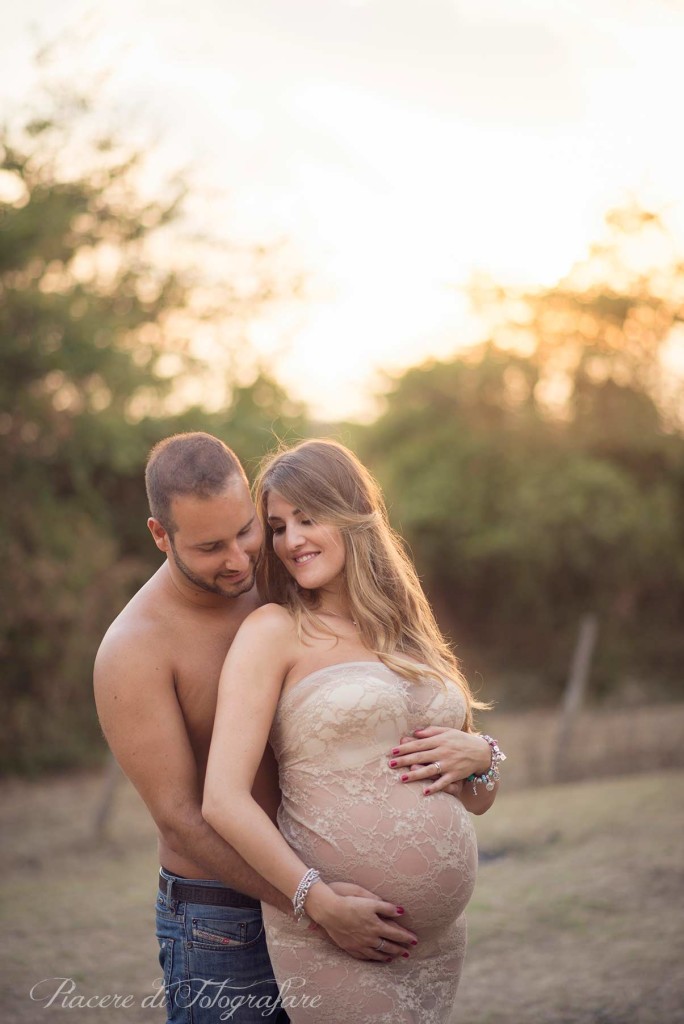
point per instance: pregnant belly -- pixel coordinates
(418, 852)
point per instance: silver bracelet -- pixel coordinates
(302, 891)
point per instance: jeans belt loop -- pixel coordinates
(170, 902)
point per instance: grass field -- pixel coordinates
(576, 918)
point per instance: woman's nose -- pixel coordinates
(293, 537)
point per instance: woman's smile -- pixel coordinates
(313, 553)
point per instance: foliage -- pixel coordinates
(94, 343)
(536, 477)
(545, 479)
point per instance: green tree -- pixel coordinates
(534, 487)
(95, 336)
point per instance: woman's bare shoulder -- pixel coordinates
(272, 620)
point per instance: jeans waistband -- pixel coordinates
(203, 891)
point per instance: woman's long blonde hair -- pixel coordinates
(386, 601)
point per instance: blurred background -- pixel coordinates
(449, 234)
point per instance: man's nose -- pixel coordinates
(236, 558)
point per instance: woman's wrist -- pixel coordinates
(491, 776)
(309, 878)
(320, 902)
(484, 762)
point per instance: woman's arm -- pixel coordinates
(475, 802)
(251, 680)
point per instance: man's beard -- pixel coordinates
(212, 588)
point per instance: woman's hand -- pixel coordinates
(358, 922)
(458, 753)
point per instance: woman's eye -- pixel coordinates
(277, 530)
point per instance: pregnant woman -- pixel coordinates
(344, 659)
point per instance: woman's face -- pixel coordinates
(312, 553)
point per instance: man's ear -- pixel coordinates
(159, 535)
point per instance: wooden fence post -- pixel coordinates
(575, 690)
(104, 809)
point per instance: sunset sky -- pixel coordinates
(399, 145)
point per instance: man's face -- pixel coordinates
(217, 540)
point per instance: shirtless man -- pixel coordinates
(156, 679)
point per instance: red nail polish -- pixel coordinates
(396, 750)
(426, 792)
(406, 955)
(414, 942)
(393, 764)
(404, 778)
(400, 910)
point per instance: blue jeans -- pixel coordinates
(214, 960)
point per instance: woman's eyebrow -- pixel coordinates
(272, 519)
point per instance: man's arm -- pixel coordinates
(143, 724)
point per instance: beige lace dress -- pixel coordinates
(346, 813)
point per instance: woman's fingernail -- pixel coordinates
(406, 955)
(400, 910)
(396, 750)
(388, 960)
(393, 764)
(414, 942)
(404, 778)
(426, 792)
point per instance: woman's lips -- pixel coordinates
(306, 557)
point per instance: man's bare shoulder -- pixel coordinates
(139, 632)
(145, 610)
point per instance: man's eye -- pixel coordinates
(207, 551)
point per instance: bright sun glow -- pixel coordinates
(398, 146)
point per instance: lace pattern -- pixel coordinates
(345, 813)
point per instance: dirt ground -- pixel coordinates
(576, 918)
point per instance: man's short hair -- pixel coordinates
(194, 463)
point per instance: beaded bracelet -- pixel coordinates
(302, 891)
(492, 775)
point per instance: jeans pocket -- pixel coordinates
(219, 934)
(226, 965)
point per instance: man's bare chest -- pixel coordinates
(197, 662)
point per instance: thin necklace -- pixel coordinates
(344, 618)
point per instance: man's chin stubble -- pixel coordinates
(212, 588)
(242, 588)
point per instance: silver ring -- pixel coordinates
(438, 766)
(382, 943)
